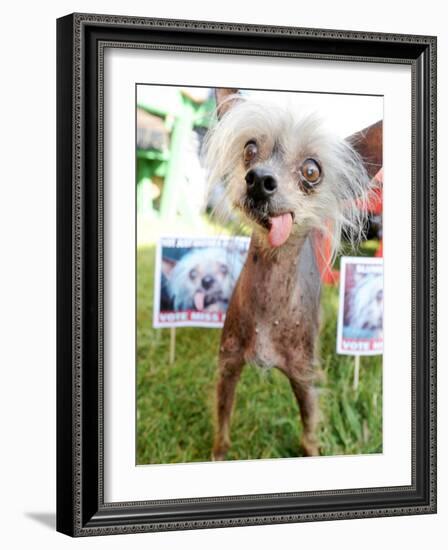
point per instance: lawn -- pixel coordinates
(175, 402)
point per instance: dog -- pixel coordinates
(203, 279)
(287, 177)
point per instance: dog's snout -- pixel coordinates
(207, 282)
(261, 184)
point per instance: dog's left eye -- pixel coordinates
(224, 269)
(311, 172)
(250, 151)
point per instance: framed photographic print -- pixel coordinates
(246, 274)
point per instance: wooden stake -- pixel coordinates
(172, 344)
(356, 375)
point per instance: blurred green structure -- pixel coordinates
(180, 112)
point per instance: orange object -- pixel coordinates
(322, 246)
(322, 243)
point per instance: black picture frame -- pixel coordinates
(81, 510)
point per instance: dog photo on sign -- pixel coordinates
(290, 184)
(196, 279)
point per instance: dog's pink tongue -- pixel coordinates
(280, 229)
(199, 300)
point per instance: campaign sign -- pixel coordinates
(194, 279)
(360, 318)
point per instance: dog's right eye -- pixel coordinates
(193, 274)
(250, 151)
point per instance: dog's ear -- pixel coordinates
(368, 143)
(224, 99)
(167, 266)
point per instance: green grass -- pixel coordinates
(175, 402)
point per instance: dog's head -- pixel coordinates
(284, 172)
(203, 279)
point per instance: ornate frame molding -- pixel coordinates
(81, 42)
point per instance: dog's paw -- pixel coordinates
(219, 453)
(218, 456)
(310, 446)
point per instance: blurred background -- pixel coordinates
(175, 402)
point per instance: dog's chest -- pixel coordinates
(277, 303)
(278, 332)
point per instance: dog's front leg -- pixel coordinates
(229, 371)
(307, 400)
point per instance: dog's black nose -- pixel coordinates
(207, 281)
(261, 184)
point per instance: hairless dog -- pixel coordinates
(288, 177)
